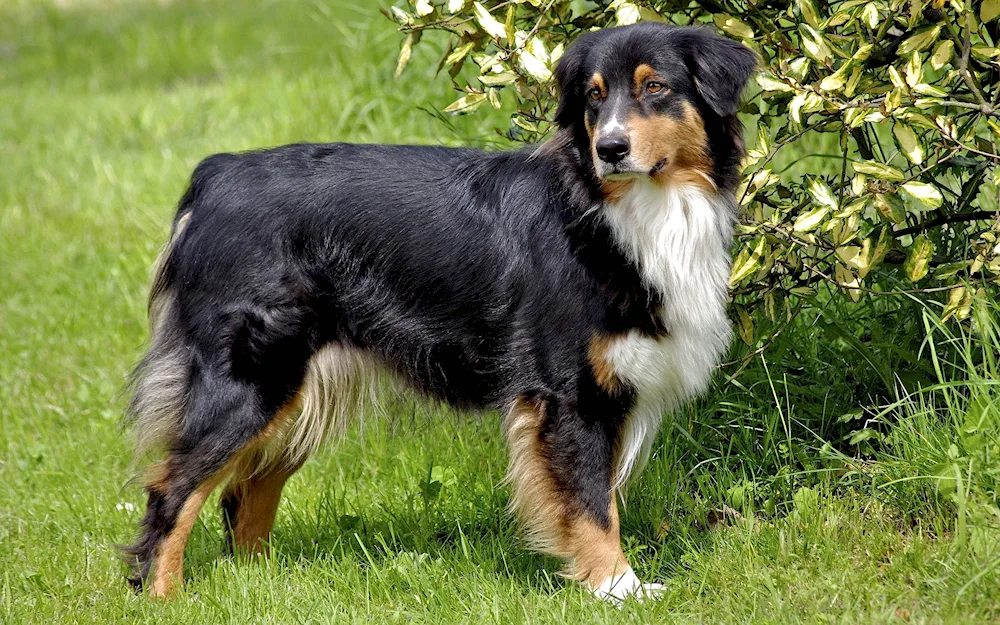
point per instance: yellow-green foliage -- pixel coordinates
(872, 129)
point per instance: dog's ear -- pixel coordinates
(721, 69)
(569, 78)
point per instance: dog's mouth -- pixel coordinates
(621, 175)
(616, 173)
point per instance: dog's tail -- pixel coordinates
(159, 383)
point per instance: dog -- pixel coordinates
(581, 286)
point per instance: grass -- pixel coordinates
(807, 490)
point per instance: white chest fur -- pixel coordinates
(679, 239)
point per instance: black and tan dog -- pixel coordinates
(581, 286)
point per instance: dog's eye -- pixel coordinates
(594, 94)
(654, 87)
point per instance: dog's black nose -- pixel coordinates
(612, 149)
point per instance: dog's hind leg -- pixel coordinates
(339, 385)
(561, 473)
(250, 501)
(171, 513)
(223, 423)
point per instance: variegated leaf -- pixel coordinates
(942, 53)
(466, 104)
(919, 41)
(733, 26)
(908, 143)
(879, 170)
(811, 219)
(989, 10)
(926, 194)
(489, 23)
(918, 258)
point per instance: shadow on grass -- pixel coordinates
(482, 536)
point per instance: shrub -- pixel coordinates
(872, 129)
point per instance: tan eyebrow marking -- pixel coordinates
(641, 75)
(598, 81)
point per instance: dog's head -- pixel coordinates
(650, 99)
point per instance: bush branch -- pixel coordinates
(947, 219)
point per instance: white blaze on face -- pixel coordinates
(611, 127)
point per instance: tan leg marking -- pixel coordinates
(257, 495)
(258, 478)
(168, 563)
(597, 553)
(553, 522)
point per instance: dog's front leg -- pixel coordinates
(561, 473)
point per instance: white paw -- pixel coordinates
(619, 587)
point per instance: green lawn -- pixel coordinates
(107, 105)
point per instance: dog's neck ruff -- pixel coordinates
(679, 239)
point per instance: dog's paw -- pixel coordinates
(617, 588)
